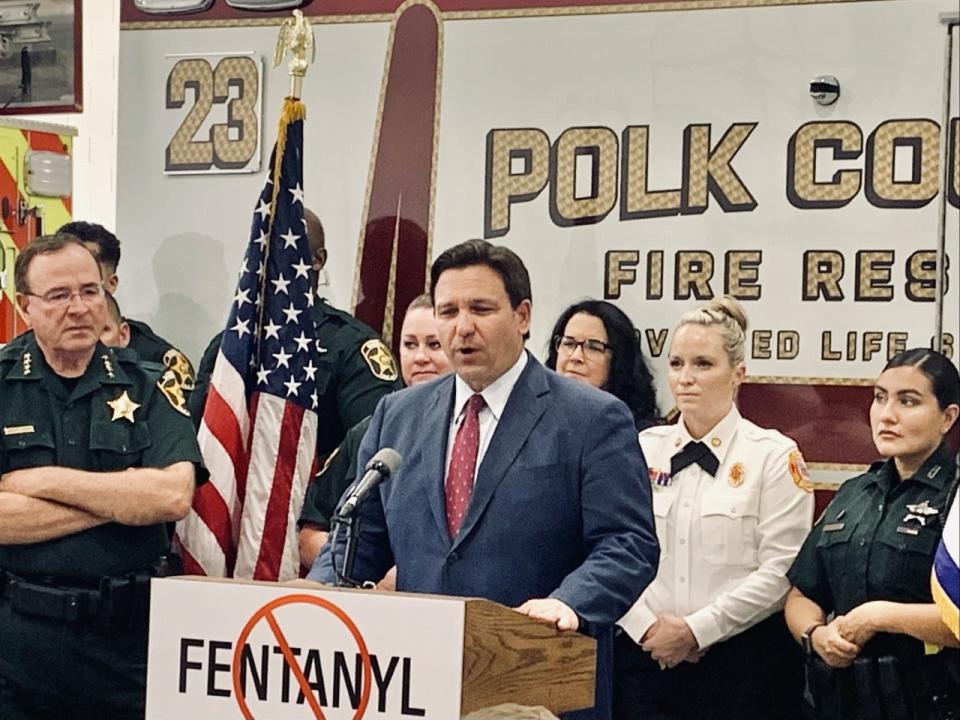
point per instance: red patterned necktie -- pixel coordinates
(463, 464)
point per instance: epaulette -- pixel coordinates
(658, 430)
(876, 466)
(21, 340)
(345, 320)
(154, 369)
(10, 353)
(755, 432)
(145, 330)
(125, 355)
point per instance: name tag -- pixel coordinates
(833, 527)
(904, 530)
(18, 429)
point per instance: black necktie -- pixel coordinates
(694, 452)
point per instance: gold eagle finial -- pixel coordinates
(296, 37)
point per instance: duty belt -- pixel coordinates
(116, 603)
(55, 603)
(887, 687)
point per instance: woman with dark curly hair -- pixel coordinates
(594, 341)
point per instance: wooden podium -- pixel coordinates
(507, 657)
(244, 649)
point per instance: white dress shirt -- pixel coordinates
(495, 395)
(726, 542)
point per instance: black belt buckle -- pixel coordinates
(116, 601)
(43, 601)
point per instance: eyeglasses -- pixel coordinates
(59, 297)
(592, 348)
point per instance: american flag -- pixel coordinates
(259, 426)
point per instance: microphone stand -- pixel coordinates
(380, 467)
(345, 572)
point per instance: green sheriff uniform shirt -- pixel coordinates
(153, 348)
(44, 425)
(356, 370)
(121, 413)
(325, 490)
(876, 541)
(149, 346)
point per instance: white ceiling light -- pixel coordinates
(169, 7)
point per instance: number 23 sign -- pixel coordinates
(215, 99)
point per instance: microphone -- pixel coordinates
(380, 468)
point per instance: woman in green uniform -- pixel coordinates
(860, 604)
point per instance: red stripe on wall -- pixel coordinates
(830, 423)
(402, 173)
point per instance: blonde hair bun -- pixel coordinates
(730, 307)
(730, 319)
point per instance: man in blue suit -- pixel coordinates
(517, 485)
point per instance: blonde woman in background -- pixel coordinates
(733, 504)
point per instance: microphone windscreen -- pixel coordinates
(388, 457)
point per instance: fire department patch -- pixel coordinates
(798, 471)
(735, 478)
(379, 360)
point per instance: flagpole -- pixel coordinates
(295, 37)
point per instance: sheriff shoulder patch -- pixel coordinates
(379, 360)
(178, 363)
(169, 384)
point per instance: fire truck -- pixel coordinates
(801, 155)
(35, 198)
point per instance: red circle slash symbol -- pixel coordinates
(266, 613)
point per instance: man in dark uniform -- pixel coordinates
(97, 455)
(116, 331)
(149, 346)
(356, 369)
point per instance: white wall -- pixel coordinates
(95, 146)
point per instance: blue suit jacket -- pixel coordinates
(560, 508)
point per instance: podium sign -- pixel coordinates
(240, 649)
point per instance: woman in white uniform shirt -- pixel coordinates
(733, 504)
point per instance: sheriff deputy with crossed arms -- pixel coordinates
(98, 453)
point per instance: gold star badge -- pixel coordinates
(123, 407)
